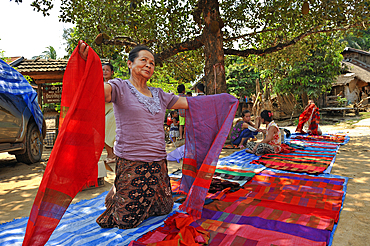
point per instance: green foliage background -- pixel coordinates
(296, 49)
(240, 77)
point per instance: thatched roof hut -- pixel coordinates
(354, 84)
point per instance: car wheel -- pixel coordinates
(34, 146)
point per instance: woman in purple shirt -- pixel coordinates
(142, 186)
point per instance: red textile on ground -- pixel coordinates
(311, 112)
(73, 161)
(325, 138)
(179, 229)
(295, 163)
(286, 148)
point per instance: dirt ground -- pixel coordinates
(19, 183)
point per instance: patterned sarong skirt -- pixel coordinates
(142, 190)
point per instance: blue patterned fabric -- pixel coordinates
(12, 82)
(241, 159)
(78, 227)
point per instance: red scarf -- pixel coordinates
(305, 116)
(73, 161)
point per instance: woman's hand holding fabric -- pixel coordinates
(83, 50)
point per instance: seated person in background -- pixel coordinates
(189, 94)
(200, 89)
(241, 132)
(174, 130)
(272, 142)
(309, 120)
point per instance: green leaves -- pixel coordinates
(240, 77)
(258, 27)
(314, 71)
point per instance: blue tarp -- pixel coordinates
(12, 82)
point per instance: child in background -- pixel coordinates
(169, 119)
(174, 130)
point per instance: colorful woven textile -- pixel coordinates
(247, 221)
(264, 204)
(256, 231)
(315, 158)
(274, 209)
(301, 164)
(300, 198)
(73, 161)
(235, 212)
(311, 115)
(303, 177)
(335, 138)
(234, 176)
(208, 122)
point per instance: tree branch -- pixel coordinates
(181, 47)
(126, 42)
(247, 52)
(250, 34)
(171, 51)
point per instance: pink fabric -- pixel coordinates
(208, 123)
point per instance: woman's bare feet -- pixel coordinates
(241, 147)
(249, 151)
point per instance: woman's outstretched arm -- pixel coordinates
(83, 50)
(182, 103)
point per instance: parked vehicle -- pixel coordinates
(20, 135)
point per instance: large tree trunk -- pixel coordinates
(304, 99)
(214, 70)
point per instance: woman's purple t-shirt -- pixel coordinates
(139, 121)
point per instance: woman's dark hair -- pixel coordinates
(245, 112)
(180, 88)
(135, 52)
(266, 115)
(200, 87)
(173, 112)
(110, 65)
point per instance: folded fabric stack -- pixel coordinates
(271, 209)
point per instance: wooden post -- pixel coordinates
(39, 95)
